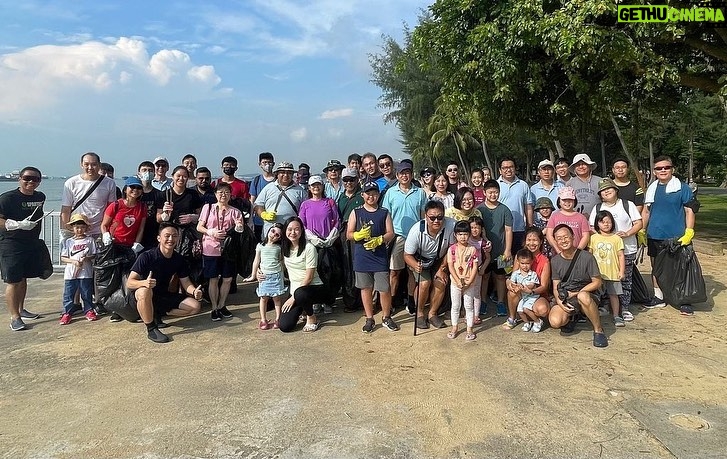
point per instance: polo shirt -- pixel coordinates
(516, 196)
(419, 241)
(405, 207)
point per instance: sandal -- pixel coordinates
(263, 325)
(477, 321)
(276, 325)
(451, 335)
(471, 337)
(310, 328)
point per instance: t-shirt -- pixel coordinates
(332, 192)
(214, 218)
(586, 193)
(151, 227)
(460, 215)
(271, 200)
(77, 249)
(605, 249)
(406, 207)
(347, 204)
(271, 258)
(667, 218)
(447, 200)
(631, 192)
(186, 203)
(161, 267)
(297, 265)
(319, 216)
(256, 186)
(427, 247)
(624, 221)
(538, 191)
(92, 207)
(125, 221)
(584, 269)
(516, 196)
(479, 194)
(370, 261)
(576, 221)
(18, 206)
(521, 278)
(495, 222)
(162, 185)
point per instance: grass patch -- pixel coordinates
(712, 218)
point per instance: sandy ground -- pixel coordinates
(102, 390)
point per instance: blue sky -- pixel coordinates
(133, 80)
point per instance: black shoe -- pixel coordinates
(100, 309)
(600, 339)
(158, 337)
(216, 316)
(115, 318)
(161, 324)
(568, 328)
(437, 322)
(225, 313)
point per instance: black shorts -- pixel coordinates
(492, 267)
(654, 246)
(213, 267)
(162, 303)
(27, 262)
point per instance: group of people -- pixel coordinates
(404, 240)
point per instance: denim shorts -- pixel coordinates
(273, 285)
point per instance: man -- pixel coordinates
(546, 187)
(425, 250)
(577, 290)
(190, 162)
(240, 197)
(281, 200)
(354, 162)
(266, 161)
(88, 193)
(350, 199)
(23, 254)
(303, 175)
(515, 194)
(148, 284)
(107, 170)
(561, 171)
(405, 203)
(148, 198)
(334, 187)
(669, 213)
(202, 185)
(627, 189)
(160, 181)
(584, 183)
(370, 166)
(388, 179)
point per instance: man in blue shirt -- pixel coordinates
(515, 194)
(546, 187)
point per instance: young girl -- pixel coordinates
(522, 282)
(544, 208)
(463, 262)
(269, 260)
(608, 248)
(477, 178)
(478, 239)
(567, 214)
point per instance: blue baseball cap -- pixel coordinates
(133, 181)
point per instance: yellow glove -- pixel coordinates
(687, 238)
(267, 216)
(363, 234)
(373, 243)
(641, 238)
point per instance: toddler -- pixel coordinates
(77, 253)
(522, 282)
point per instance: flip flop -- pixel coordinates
(470, 337)
(452, 335)
(310, 328)
(263, 325)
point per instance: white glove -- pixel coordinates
(333, 235)
(137, 248)
(313, 239)
(106, 238)
(12, 225)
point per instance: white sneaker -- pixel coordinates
(527, 326)
(537, 326)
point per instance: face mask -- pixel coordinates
(267, 168)
(145, 176)
(229, 170)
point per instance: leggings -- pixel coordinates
(469, 295)
(625, 297)
(305, 297)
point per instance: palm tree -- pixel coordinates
(446, 127)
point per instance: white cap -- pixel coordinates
(160, 158)
(545, 163)
(315, 179)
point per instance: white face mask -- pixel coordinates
(146, 176)
(267, 168)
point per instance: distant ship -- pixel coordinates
(10, 176)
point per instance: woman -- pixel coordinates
(566, 214)
(427, 179)
(306, 288)
(464, 205)
(486, 174)
(215, 221)
(477, 178)
(440, 191)
(453, 181)
(541, 265)
(124, 220)
(179, 204)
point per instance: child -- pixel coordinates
(608, 249)
(523, 281)
(478, 239)
(77, 252)
(544, 208)
(463, 262)
(269, 260)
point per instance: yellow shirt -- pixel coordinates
(460, 215)
(605, 248)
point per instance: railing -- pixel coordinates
(51, 235)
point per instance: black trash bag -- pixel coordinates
(110, 264)
(351, 295)
(330, 270)
(189, 244)
(679, 275)
(119, 302)
(239, 248)
(639, 291)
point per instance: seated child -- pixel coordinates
(522, 281)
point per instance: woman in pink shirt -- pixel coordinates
(566, 214)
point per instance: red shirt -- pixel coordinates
(240, 188)
(125, 221)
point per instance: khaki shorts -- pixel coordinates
(396, 261)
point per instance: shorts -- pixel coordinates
(492, 267)
(27, 262)
(577, 306)
(163, 303)
(654, 246)
(213, 267)
(526, 303)
(273, 285)
(613, 287)
(396, 261)
(379, 281)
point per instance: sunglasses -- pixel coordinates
(30, 178)
(452, 170)
(384, 165)
(427, 174)
(135, 188)
(663, 168)
(349, 179)
(435, 218)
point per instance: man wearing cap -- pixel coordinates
(515, 194)
(281, 200)
(627, 189)
(405, 202)
(333, 187)
(584, 183)
(160, 181)
(350, 199)
(546, 187)
(303, 174)
(240, 194)
(266, 161)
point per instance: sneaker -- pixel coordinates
(225, 313)
(25, 314)
(437, 322)
(619, 322)
(216, 316)
(537, 326)
(527, 326)
(100, 309)
(115, 318)
(603, 312)
(369, 325)
(483, 308)
(160, 323)
(580, 318)
(317, 309)
(389, 323)
(509, 324)
(91, 315)
(501, 309)
(568, 328)
(17, 324)
(654, 303)
(65, 319)
(600, 339)
(411, 306)
(422, 323)
(327, 309)
(158, 337)
(627, 316)
(686, 310)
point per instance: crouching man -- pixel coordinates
(149, 279)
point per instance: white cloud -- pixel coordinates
(335, 133)
(338, 113)
(216, 50)
(299, 135)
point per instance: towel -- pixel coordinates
(672, 186)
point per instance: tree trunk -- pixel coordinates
(690, 175)
(603, 153)
(559, 147)
(632, 161)
(551, 153)
(461, 160)
(484, 152)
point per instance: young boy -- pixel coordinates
(544, 207)
(522, 282)
(77, 252)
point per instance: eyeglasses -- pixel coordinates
(159, 166)
(384, 165)
(452, 170)
(435, 218)
(663, 168)
(507, 168)
(467, 199)
(223, 192)
(349, 179)
(30, 178)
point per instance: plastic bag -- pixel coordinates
(110, 264)
(639, 291)
(679, 275)
(239, 248)
(119, 302)
(330, 270)
(189, 245)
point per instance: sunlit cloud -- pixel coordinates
(299, 135)
(339, 113)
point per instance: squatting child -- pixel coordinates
(77, 253)
(523, 281)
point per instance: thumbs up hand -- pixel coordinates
(197, 294)
(150, 281)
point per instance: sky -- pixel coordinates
(133, 80)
